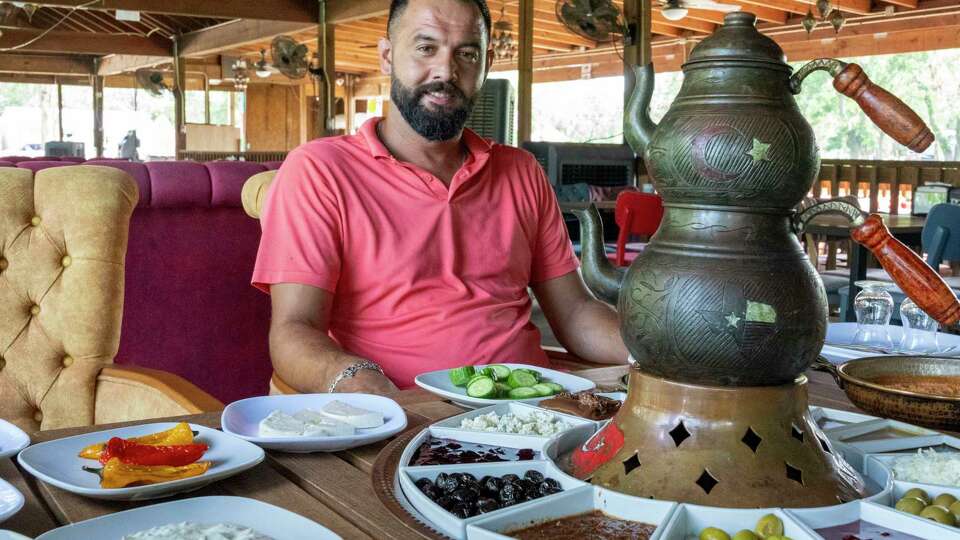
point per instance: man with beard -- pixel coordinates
(409, 247)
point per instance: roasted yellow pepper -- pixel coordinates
(116, 474)
(178, 434)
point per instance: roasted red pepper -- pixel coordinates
(134, 453)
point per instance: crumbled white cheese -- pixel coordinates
(189, 530)
(537, 423)
(929, 467)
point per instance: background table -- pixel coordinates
(334, 489)
(905, 228)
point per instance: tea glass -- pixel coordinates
(873, 306)
(919, 329)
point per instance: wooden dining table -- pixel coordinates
(333, 489)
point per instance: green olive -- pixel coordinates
(713, 533)
(769, 525)
(746, 534)
(939, 514)
(910, 505)
(955, 509)
(918, 493)
(944, 500)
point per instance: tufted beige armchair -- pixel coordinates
(63, 239)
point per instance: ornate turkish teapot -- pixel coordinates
(723, 311)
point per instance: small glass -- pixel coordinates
(874, 308)
(919, 329)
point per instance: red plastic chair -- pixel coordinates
(637, 214)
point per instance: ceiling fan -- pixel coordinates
(675, 10)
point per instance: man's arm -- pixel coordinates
(584, 325)
(303, 354)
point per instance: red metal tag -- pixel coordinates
(598, 450)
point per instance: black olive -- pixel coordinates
(446, 502)
(446, 483)
(465, 477)
(527, 488)
(553, 483)
(534, 476)
(510, 478)
(464, 496)
(490, 486)
(486, 504)
(545, 488)
(508, 494)
(462, 511)
(423, 482)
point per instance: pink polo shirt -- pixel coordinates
(424, 276)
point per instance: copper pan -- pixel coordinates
(866, 382)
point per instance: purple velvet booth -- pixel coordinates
(189, 307)
(38, 164)
(7, 164)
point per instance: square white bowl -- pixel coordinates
(450, 524)
(868, 436)
(475, 437)
(690, 519)
(886, 460)
(578, 501)
(12, 439)
(242, 418)
(11, 500)
(57, 463)
(829, 419)
(873, 513)
(264, 518)
(450, 427)
(438, 382)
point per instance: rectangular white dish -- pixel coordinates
(689, 519)
(873, 513)
(882, 435)
(264, 518)
(450, 428)
(829, 419)
(578, 501)
(452, 525)
(438, 382)
(57, 463)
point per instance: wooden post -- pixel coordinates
(179, 97)
(348, 82)
(525, 68)
(206, 99)
(637, 50)
(97, 84)
(326, 51)
(59, 106)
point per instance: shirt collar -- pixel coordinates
(477, 146)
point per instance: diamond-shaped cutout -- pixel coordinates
(707, 482)
(824, 445)
(630, 464)
(796, 433)
(794, 474)
(751, 439)
(588, 480)
(679, 433)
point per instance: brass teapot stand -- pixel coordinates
(737, 447)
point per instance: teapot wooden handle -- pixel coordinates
(914, 276)
(891, 115)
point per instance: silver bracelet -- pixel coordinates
(351, 370)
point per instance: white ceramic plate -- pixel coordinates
(242, 418)
(56, 462)
(264, 518)
(438, 382)
(12, 439)
(820, 518)
(840, 334)
(11, 501)
(10, 535)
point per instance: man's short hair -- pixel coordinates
(397, 7)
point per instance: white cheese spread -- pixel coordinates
(538, 423)
(189, 530)
(355, 416)
(306, 423)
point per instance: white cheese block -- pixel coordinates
(355, 416)
(316, 424)
(280, 424)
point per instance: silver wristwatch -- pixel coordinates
(352, 370)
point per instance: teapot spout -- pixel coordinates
(602, 277)
(638, 128)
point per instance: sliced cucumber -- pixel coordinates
(519, 379)
(482, 387)
(556, 387)
(543, 390)
(502, 390)
(535, 373)
(523, 392)
(461, 376)
(498, 372)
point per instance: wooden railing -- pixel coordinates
(882, 186)
(258, 157)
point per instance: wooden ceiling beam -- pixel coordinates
(765, 12)
(911, 4)
(236, 34)
(274, 10)
(46, 65)
(686, 23)
(792, 6)
(122, 63)
(860, 7)
(82, 43)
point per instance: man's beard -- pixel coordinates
(442, 124)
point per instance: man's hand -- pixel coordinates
(367, 381)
